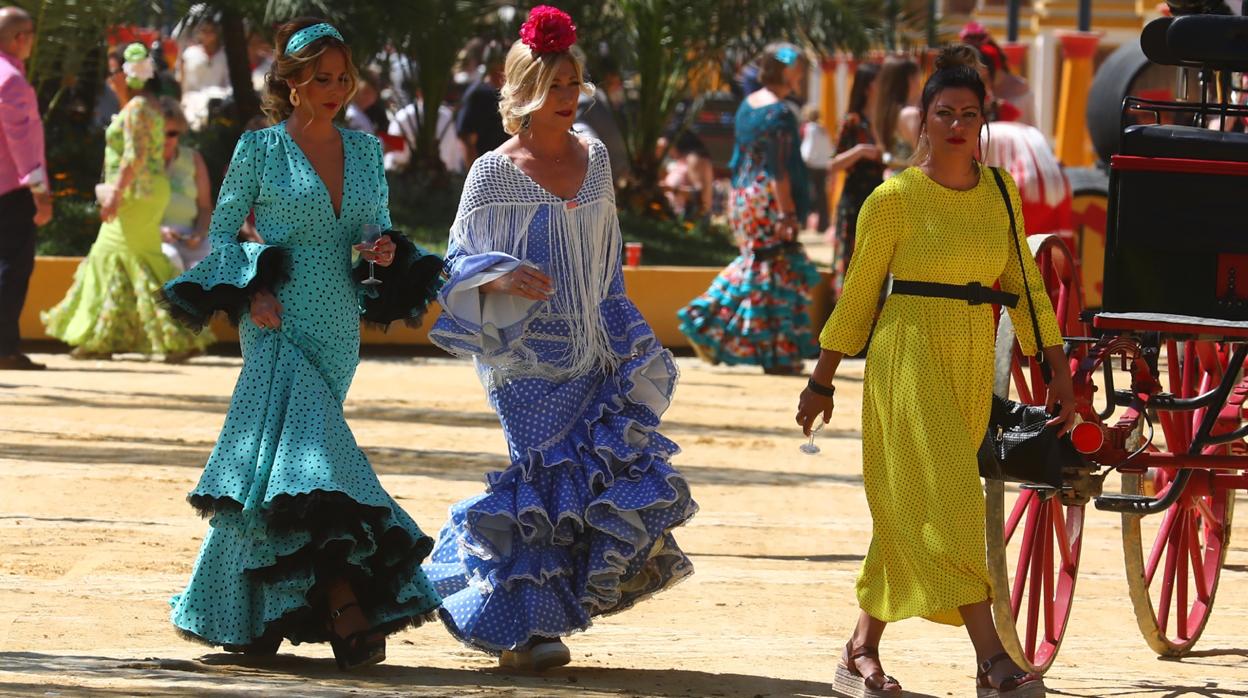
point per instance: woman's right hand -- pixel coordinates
(266, 310)
(109, 206)
(168, 234)
(810, 406)
(524, 281)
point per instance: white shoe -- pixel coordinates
(539, 657)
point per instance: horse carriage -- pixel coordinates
(1158, 370)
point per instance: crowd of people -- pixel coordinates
(305, 545)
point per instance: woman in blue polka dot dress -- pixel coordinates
(580, 524)
(304, 543)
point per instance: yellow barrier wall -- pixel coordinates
(657, 291)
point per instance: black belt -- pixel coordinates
(973, 293)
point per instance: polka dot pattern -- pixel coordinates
(927, 385)
(293, 500)
(579, 525)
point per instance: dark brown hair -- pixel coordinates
(957, 66)
(299, 67)
(770, 68)
(891, 95)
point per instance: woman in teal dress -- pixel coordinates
(304, 543)
(756, 310)
(111, 307)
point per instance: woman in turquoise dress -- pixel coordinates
(755, 312)
(111, 307)
(303, 542)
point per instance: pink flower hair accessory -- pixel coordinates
(548, 30)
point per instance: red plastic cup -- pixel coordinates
(632, 254)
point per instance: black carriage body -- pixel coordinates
(1177, 237)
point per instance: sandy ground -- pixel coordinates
(95, 459)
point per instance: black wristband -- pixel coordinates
(817, 389)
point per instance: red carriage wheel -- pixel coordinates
(1035, 536)
(1174, 559)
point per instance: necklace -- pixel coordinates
(538, 155)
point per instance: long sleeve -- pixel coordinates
(878, 227)
(232, 271)
(411, 281)
(23, 131)
(140, 122)
(1012, 282)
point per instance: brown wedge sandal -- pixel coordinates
(1019, 685)
(851, 682)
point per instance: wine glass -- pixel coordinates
(372, 233)
(809, 448)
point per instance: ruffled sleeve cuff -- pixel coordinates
(472, 324)
(408, 285)
(224, 282)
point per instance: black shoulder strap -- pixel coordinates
(1031, 305)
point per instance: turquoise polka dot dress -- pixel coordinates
(293, 501)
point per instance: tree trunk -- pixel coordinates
(234, 36)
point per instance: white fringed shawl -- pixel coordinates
(496, 213)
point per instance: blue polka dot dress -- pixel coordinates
(580, 523)
(293, 501)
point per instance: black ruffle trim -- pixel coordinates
(408, 285)
(326, 515)
(194, 306)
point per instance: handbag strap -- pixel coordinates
(1045, 371)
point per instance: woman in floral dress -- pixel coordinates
(111, 307)
(858, 155)
(755, 312)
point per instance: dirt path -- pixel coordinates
(95, 535)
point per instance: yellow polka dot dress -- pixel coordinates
(928, 383)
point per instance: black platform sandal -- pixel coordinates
(355, 650)
(1017, 685)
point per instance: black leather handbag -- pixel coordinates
(1019, 447)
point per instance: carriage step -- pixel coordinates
(1124, 503)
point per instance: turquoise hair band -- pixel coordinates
(786, 55)
(300, 39)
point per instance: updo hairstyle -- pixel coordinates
(299, 67)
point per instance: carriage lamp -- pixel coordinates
(1087, 438)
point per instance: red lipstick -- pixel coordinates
(955, 140)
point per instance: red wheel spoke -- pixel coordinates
(1167, 579)
(1063, 541)
(1159, 544)
(1052, 520)
(1020, 508)
(1024, 559)
(1180, 576)
(1194, 549)
(1033, 594)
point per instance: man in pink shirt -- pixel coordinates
(25, 198)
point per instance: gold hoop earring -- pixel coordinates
(294, 98)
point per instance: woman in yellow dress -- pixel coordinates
(928, 381)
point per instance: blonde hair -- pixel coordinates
(293, 67)
(527, 79)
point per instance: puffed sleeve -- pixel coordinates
(1012, 282)
(412, 280)
(878, 227)
(233, 270)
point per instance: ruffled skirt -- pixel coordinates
(756, 311)
(574, 528)
(112, 306)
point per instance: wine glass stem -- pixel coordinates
(371, 266)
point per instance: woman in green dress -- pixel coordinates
(304, 544)
(112, 306)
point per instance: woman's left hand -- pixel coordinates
(1061, 391)
(380, 252)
